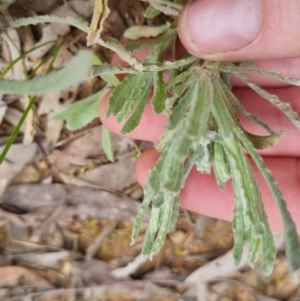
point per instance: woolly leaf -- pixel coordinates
(75, 72)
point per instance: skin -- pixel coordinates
(201, 193)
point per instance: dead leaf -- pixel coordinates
(114, 176)
(87, 145)
(86, 201)
(12, 275)
(101, 12)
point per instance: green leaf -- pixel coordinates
(137, 32)
(75, 72)
(151, 12)
(134, 120)
(284, 107)
(80, 113)
(180, 110)
(107, 144)
(138, 93)
(163, 228)
(116, 99)
(174, 214)
(220, 164)
(197, 119)
(159, 94)
(290, 232)
(255, 247)
(109, 78)
(139, 218)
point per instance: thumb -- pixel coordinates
(238, 30)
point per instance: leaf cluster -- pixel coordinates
(202, 132)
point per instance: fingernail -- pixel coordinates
(214, 26)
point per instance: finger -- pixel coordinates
(201, 193)
(152, 126)
(235, 30)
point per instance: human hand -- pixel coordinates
(236, 31)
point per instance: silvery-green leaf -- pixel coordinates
(197, 119)
(139, 218)
(138, 93)
(73, 21)
(151, 12)
(159, 94)
(158, 200)
(151, 231)
(107, 144)
(269, 253)
(176, 183)
(119, 94)
(165, 140)
(274, 99)
(137, 32)
(238, 231)
(290, 232)
(220, 164)
(106, 70)
(180, 110)
(255, 247)
(175, 213)
(262, 142)
(156, 172)
(233, 148)
(163, 228)
(80, 113)
(238, 70)
(240, 108)
(75, 72)
(133, 121)
(202, 161)
(111, 79)
(179, 79)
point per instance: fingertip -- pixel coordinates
(235, 30)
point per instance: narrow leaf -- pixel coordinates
(116, 99)
(75, 72)
(159, 94)
(138, 32)
(274, 99)
(139, 91)
(139, 218)
(151, 12)
(134, 120)
(107, 144)
(290, 232)
(220, 164)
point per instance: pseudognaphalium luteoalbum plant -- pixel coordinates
(202, 129)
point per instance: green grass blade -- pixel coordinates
(17, 129)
